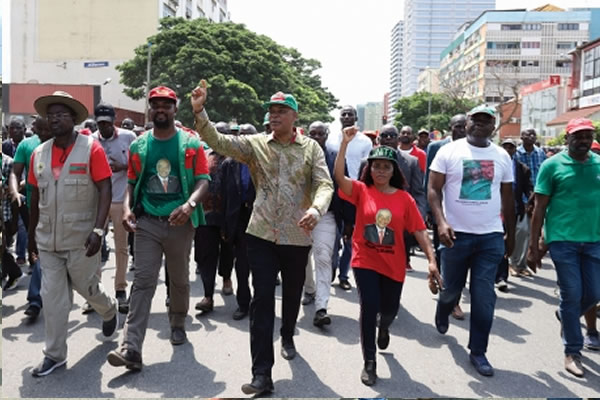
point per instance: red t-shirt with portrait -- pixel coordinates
(381, 219)
(98, 164)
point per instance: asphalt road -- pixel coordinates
(525, 349)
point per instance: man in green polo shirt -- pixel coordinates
(566, 202)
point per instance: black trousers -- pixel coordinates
(242, 267)
(378, 294)
(266, 259)
(209, 252)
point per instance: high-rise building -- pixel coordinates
(397, 46)
(502, 51)
(76, 45)
(373, 116)
(429, 26)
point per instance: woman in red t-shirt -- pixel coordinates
(384, 210)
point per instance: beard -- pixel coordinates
(162, 123)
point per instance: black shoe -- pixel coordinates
(308, 298)
(178, 336)
(87, 308)
(344, 284)
(239, 314)
(441, 322)
(321, 318)
(12, 283)
(122, 301)
(260, 384)
(130, 359)
(47, 366)
(288, 350)
(110, 327)
(383, 338)
(481, 364)
(32, 312)
(369, 374)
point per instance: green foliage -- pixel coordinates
(243, 69)
(561, 139)
(413, 110)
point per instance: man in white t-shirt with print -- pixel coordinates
(470, 189)
(358, 149)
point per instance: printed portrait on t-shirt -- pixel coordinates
(379, 233)
(477, 180)
(163, 181)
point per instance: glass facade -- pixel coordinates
(429, 27)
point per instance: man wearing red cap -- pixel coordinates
(566, 200)
(167, 178)
(293, 190)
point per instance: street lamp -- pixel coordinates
(429, 101)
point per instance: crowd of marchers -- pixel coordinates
(295, 210)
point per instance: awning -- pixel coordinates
(564, 118)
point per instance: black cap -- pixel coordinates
(104, 112)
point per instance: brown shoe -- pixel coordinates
(513, 271)
(458, 313)
(573, 364)
(205, 305)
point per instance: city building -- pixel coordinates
(386, 107)
(428, 25)
(492, 58)
(583, 91)
(60, 44)
(370, 116)
(397, 47)
(429, 81)
(542, 102)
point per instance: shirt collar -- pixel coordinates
(296, 138)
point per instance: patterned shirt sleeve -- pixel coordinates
(236, 147)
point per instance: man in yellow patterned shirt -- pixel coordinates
(293, 190)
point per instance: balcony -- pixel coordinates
(502, 52)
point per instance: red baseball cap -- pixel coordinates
(579, 124)
(162, 92)
(595, 145)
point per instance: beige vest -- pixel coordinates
(68, 206)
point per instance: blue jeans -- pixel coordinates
(344, 264)
(481, 254)
(578, 271)
(33, 294)
(21, 241)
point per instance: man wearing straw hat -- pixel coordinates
(71, 196)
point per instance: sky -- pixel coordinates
(351, 38)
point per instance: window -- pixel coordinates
(530, 45)
(503, 45)
(530, 63)
(563, 64)
(511, 27)
(532, 27)
(568, 27)
(565, 45)
(168, 11)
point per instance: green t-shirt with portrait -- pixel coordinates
(161, 183)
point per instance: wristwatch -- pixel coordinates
(99, 231)
(192, 203)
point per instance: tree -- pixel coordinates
(243, 69)
(561, 139)
(414, 110)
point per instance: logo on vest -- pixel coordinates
(78, 168)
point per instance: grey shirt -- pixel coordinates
(117, 149)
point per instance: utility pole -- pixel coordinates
(147, 82)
